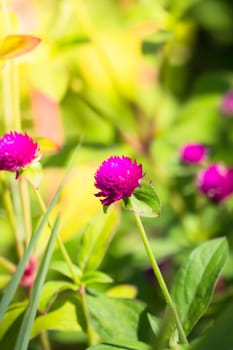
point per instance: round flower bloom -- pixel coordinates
(29, 273)
(227, 104)
(117, 178)
(193, 153)
(17, 151)
(216, 182)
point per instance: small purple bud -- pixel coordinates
(193, 153)
(216, 182)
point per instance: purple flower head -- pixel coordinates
(17, 151)
(193, 153)
(117, 178)
(227, 104)
(216, 182)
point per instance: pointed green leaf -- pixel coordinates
(17, 45)
(62, 268)
(33, 174)
(193, 286)
(121, 346)
(96, 239)
(14, 311)
(119, 320)
(145, 201)
(90, 278)
(23, 337)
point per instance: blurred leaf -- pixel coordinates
(13, 312)
(16, 45)
(63, 319)
(156, 41)
(122, 291)
(119, 320)
(193, 286)
(4, 279)
(33, 174)
(90, 278)
(47, 146)
(145, 201)
(23, 336)
(121, 346)
(78, 204)
(220, 336)
(50, 292)
(61, 266)
(96, 238)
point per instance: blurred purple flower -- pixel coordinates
(117, 178)
(227, 104)
(17, 151)
(193, 153)
(216, 182)
(30, 272)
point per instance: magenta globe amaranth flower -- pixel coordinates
(227, 104)
(17, 151)
(193, 153)
(117, 178)
(216, 182)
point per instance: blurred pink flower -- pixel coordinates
(117, 178)
(227, 104)
(17, 151)
(216, 182)
(193, 153)
(29, 274)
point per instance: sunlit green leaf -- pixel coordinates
(33, 174)
(193, 286)
(14, 311)
(145, 201)
(90, 278)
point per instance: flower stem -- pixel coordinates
(59, 240)
(6, 195)
(90, 332)
(45, 341)
(25, 200)
(160, 278)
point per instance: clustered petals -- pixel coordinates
(29, 273)
(17, 151)
(117, 178)
(216, 182)
(193, 153)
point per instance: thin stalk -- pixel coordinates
(58, 238)
(90, 332)
(8, 265)
(6, 195)
(25, 200)
(160, 278)
(44, 340)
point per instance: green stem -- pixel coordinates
(45, 341)
(6, 195)
(25, 200)
(160, 278)
(8, 265)
(90, 332)
(59, 240)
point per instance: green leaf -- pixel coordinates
(23, 337)
(33, 174)
(63, 319)
(193, 286)
(14, 311)
(4, 279)
(96, 238)
(17, 45)
(51, 291)
(62, 268)
(119, 320)
(145, 201)
(121, 346)
(220, 336)
(90, 278)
